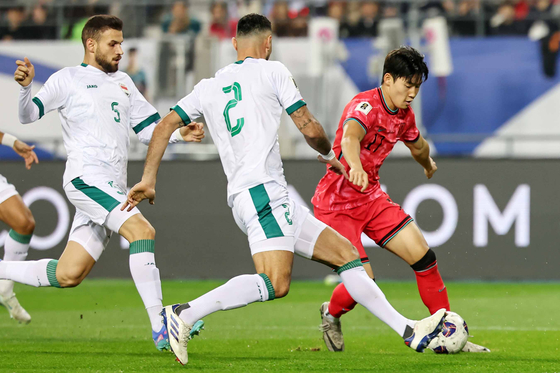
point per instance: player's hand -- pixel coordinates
(193, 132)
(430, 172)
(359, 177)
(335, 166)
(25, 72)
(26, 152)
(138, 193)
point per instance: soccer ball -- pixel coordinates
(332, 280)
(453, 336)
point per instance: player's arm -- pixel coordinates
(24, 74)
(146, 188)
(144, 119)
(350, 144)
(21, 148)
(193, 132)
(315, 136)
(420, 150)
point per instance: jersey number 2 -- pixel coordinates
(230, 105)
(113, 107)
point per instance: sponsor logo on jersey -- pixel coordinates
(91, 86)
(364, 107)
(124, 89)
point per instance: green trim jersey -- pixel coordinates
(96, 110)
(242, 106)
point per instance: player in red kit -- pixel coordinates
(369, 128)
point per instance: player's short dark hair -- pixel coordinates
(96, 25)
(406, 62)
(253, 24)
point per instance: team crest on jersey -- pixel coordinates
(364, 107)
(124, 89)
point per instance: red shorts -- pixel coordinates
(380, 219)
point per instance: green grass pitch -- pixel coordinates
(101, 326)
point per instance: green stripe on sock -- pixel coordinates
(51, 273)
(269, 287)
(350, 265)
(142, 246)
(21, 238)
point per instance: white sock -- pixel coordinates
(368, 294)
(145, 274)
(34, 272)
(16, 247)
(237, 292)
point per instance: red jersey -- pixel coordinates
(384, 127)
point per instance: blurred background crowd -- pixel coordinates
(63, 19)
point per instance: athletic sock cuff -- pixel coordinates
(269, 287)
(51, 273)
(353, 264)
(142, 246)
(21, 238)
(427, 262)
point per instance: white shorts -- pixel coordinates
(273, 221)
(98, 212)
(7, 190)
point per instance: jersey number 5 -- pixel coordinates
(113, 107)
(230, 105)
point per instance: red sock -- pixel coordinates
(432, 289)
(341, 301)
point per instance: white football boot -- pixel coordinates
(17, 312)
(425, 330)
(332, 331)
(179, 332)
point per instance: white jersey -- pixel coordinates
(242, 106)
(96, 110)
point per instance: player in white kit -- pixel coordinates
(242, 105)
(97, 106)
(19, 218)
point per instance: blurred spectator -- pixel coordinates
(76, 18)
(504, 22)
(464, 21)
(299, 23)
(41, 26)
(220, 25)
(280, 18)
(350, 26)
(11, 26)
(179, 20)
(136, 73)
(370, 15)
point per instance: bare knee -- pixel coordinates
(69, 278)
(280, 284)
(24, 224)
(136, 229)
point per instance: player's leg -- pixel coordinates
(409, 244)
(274, 269)
(100, 201)
(17, 215)
(74, 265)
(322, 244)
(138, 231)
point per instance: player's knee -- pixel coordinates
(25, 224)
(426, 262)
(145, 231)
(69, 278)
(346, 253)
(281, 286)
